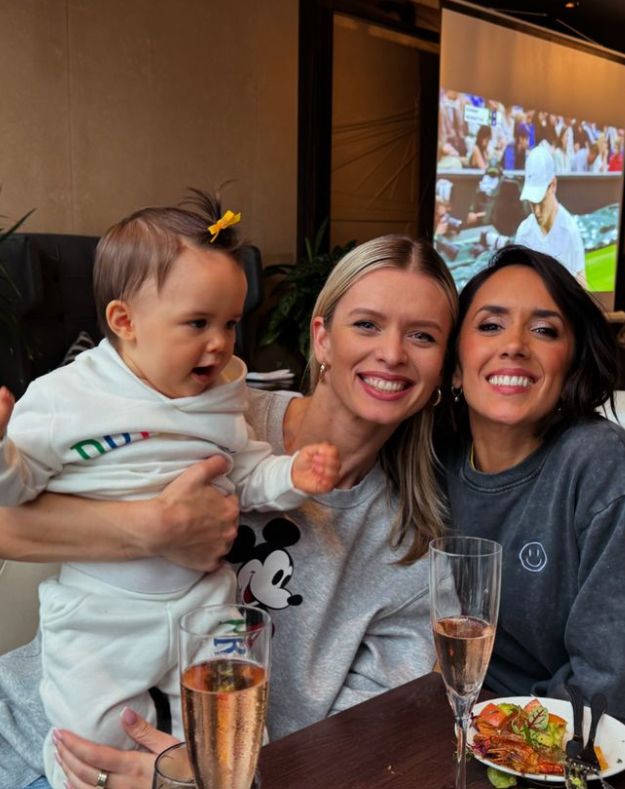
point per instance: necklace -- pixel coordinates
(472, 458)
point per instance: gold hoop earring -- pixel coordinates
(438, 396)
(456, 393)
(323, 368)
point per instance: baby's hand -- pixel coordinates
(7, 401)
(316, 468)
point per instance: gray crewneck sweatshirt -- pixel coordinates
(349, 621)
(560, 516)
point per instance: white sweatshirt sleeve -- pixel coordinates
(27, 459)
(263, 481)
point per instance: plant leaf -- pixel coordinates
(309, 251)
(319, 236)
(8, 317)
(297, 290)
(4, 234)
(277, 268)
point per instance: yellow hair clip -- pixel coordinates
(229, 218)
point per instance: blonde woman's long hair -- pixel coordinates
(408, 458)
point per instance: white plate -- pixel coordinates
(610, 736)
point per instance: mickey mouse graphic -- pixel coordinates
(266, 568)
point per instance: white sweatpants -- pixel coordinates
(103, 648)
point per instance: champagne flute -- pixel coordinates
(224, 663)
(465, 583)
(172, 769)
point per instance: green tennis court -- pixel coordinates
(601, 268)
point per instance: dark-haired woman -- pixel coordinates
(541, 472)
(479, 154)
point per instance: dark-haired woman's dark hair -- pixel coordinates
(593, 374)
(483, 136)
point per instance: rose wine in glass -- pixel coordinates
(224, 663)
(465, 583)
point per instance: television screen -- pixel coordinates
(530, 148)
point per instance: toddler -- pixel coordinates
(160, 392)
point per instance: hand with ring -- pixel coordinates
(87, 764)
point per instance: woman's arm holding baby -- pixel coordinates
(189, 523)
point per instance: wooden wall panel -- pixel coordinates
(34, 138)
(113, 104)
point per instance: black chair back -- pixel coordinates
(54, 276)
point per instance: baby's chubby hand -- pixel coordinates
(316, 468)
(7, 401)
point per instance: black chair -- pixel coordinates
(246, 337)
(54, 275)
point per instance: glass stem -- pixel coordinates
(462, 726)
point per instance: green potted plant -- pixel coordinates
(288, 321)
(9, 292)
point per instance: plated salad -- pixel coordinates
(527, 739)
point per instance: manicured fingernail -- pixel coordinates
(57, 737)
(129, 716)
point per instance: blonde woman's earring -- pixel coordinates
(323, 368)
(456, 393)
(438, 396)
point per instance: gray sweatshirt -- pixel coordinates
(560, 516)
(349, 622)
(23, 723)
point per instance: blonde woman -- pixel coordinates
(343, 576)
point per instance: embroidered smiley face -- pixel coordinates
(533, 557)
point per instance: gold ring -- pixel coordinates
(102, 779)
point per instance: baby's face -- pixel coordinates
(184, 335)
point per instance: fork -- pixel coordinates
(574, 771)
(582, 761)
(598, 705)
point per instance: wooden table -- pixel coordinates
(402, 739)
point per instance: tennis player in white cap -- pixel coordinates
(549, 228)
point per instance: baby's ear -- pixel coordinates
(119, 319)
